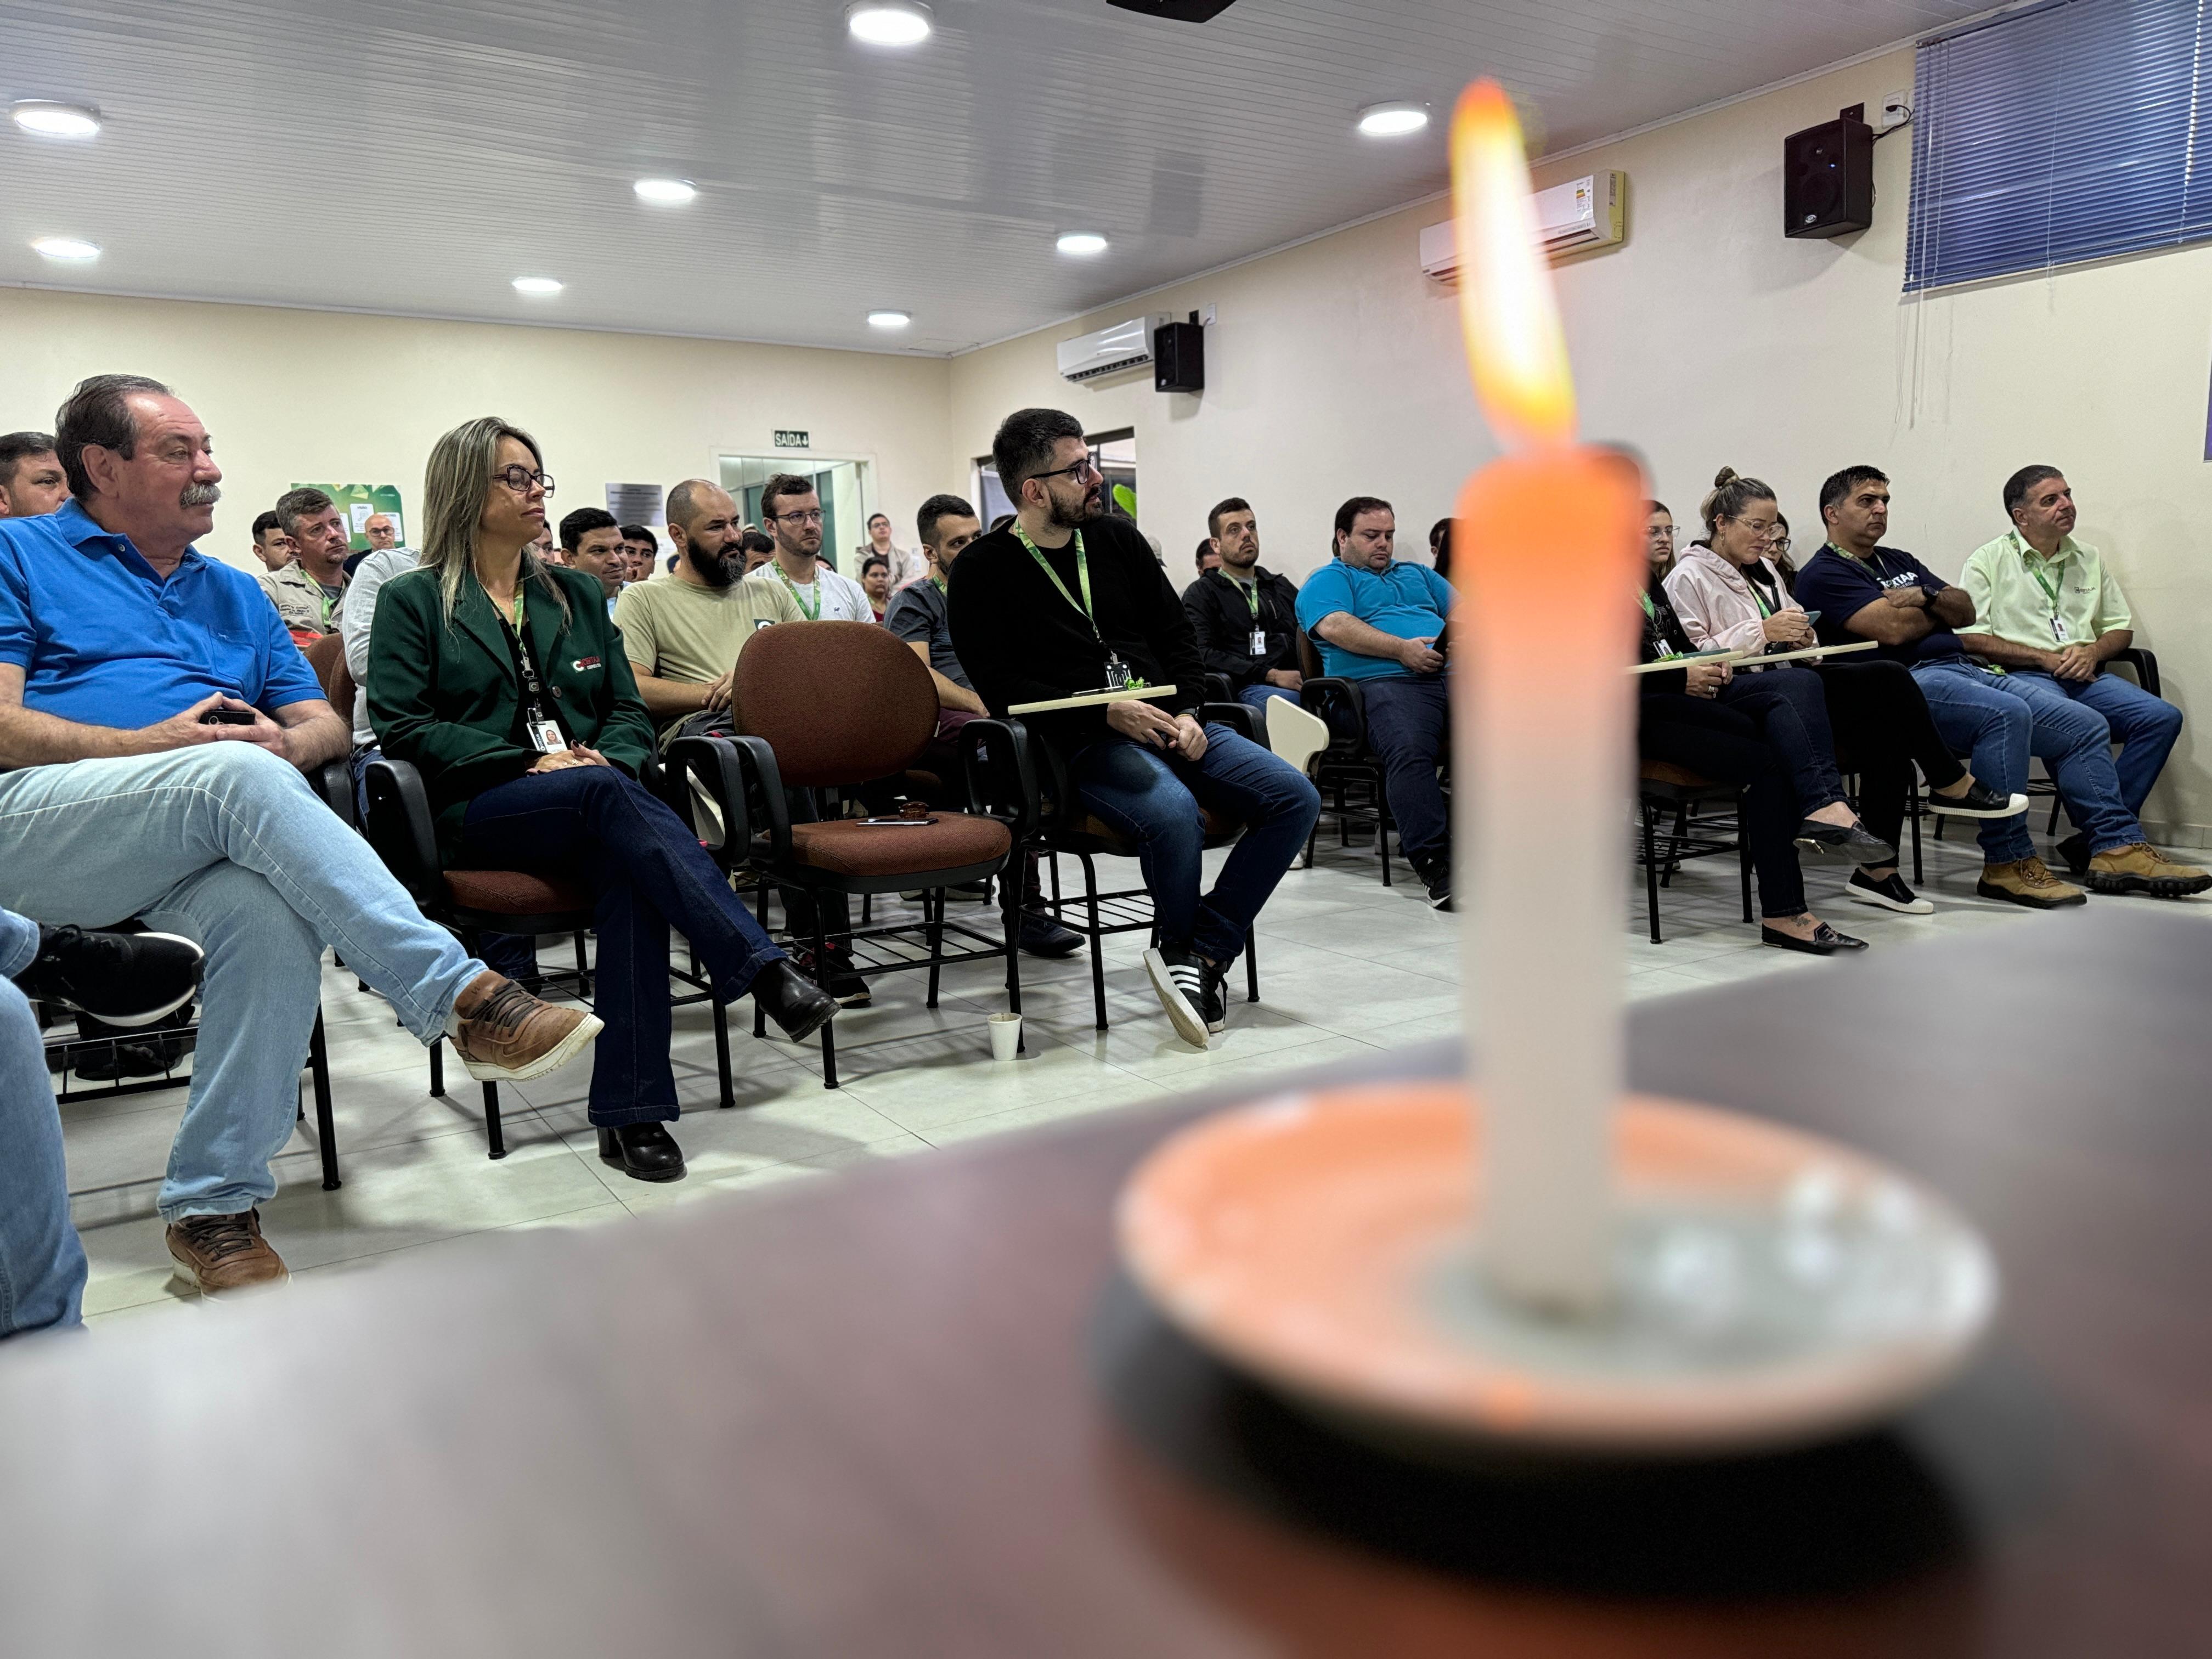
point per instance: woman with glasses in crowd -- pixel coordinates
(1730, 595)
(504, 681)
(1659, 540)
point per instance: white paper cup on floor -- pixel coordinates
(1005, 1036)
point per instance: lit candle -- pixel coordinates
(1546, 559)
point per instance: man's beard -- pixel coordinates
(1074, 517)
(715, 569)
(199, 496)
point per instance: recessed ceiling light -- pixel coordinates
(888, 22)
(1081, 241)
(68, 249)
(1393, 120)
(889, 319)
(540, 286)
(665, 192)
(42, 115)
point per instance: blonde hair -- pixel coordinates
(1731, 493)
(454, 482)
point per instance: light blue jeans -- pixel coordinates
(227, 844)
(41, 1261)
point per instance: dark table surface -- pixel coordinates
(916, 1411)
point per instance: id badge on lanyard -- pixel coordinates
(1259, 641)
(546, 737)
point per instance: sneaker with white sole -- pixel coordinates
(505, 1034)
(121, 979)
(1179, 981)
(1890, 894)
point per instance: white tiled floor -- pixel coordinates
(1346, 966)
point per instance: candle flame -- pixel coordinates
(1515, 349)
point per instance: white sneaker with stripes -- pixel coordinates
(1179, 981)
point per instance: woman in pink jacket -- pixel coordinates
(1730, 596)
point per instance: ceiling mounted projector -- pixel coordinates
(1180, 11)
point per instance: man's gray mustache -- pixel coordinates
(199, 496)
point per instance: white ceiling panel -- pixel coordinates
(416, 157)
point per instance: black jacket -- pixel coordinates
(1020, 642)
(1221, 617)
(1663, 635)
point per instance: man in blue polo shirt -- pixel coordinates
(1377, 621)
(117, 643)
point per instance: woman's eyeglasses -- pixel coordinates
(519, 478)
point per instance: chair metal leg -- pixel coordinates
(1097, 951)
(319, 1069)
(438, 1069)
(1010, 916)
(1743, 858)
(1251, 968)
(867, 908)
(583, 975)
(493, 1131)
(932, 914)
(829, 1032)
(722, 1051)
(1650, 869)
(1912, 807)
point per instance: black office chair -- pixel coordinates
(1666, 790)
(1348, 773)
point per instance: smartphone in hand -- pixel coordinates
(227, 717)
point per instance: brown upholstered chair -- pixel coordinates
(830, 706)
(1664, 789)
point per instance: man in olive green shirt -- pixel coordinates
(682, 636)
(2048, 612)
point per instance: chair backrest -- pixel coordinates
(1309, 657)
(324, 654)
(342, 689)
(838, 701)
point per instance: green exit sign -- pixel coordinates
(791, 438)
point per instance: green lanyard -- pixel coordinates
(1758, 599)
(813, 614)
(1251, 595)
(2050, 593)
(938, 582)
(1082, 576)
(1667, 652)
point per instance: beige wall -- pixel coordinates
(293, 395)
(1707, 338)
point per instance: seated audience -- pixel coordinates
(876, 583)
(793, 512)
(505, 683)
(1209, 555)
(594, 541)
(1246, 619)
(207, 830)
(306, 592)
(1729, 596)
(133, 979)
(547, 547)
(947, 525)
(2048, 611)
(1659, 540)
(381, 534)
(1777, 554)
(1067, 601)
(271, 545)
(641, 547)
(1681, 720)
(1867, 591)
(1440, 541)
(757, 548)
(1377, 620)
(905, 564)
(31, 481)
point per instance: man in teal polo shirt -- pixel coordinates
(2049, 613)
(118, 641)
(1377, 621)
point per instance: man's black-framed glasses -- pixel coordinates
(1086, 464)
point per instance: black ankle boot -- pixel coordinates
(643, 1151)
(794, 1002)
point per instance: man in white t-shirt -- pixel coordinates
(793, 514)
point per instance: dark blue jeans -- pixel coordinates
(1153, 799)
(1409, 726)
(646, 871)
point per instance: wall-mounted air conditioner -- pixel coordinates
(1581, 213)
(1110, 350)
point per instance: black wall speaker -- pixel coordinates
(1827, 179)
(1180, 11)
(1179, 357)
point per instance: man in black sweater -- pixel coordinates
(1064, 601)
(1246, 618)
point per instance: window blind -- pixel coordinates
(2073, 130)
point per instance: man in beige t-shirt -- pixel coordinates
(682, 636)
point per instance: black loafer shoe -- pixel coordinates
(643, 1151)
(1849, 841)
(1825, 941)
(798, 1006)
(1041, 936)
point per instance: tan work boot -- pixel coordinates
(2028, 881)
(2141, 868)
(220, 1253)
(505, 1034)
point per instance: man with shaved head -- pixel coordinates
(155, 721)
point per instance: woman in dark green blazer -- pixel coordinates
(503, 680)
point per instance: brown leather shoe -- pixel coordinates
(507, 1036)
(2141, 868)
(2028, 881)
(220, 1253)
